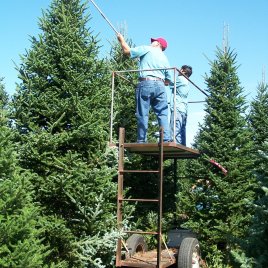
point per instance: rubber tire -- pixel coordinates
(188, 247)
(136, 243)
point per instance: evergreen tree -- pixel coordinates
(218, 205)
(258, 116)
(145, 215)
(20, 220)
(257, 242)
(62, 110)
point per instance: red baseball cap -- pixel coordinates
(162, 42)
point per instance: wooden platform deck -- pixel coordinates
(171, 150)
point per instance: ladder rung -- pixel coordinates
(138, 200)
(138, 171)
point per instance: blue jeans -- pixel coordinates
(180, 125)
(151, 94)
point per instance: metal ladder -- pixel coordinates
(121, 199)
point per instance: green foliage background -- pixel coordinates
(58, 174)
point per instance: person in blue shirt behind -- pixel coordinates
(150, 91)
(181, 103)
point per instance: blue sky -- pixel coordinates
(193, 30)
